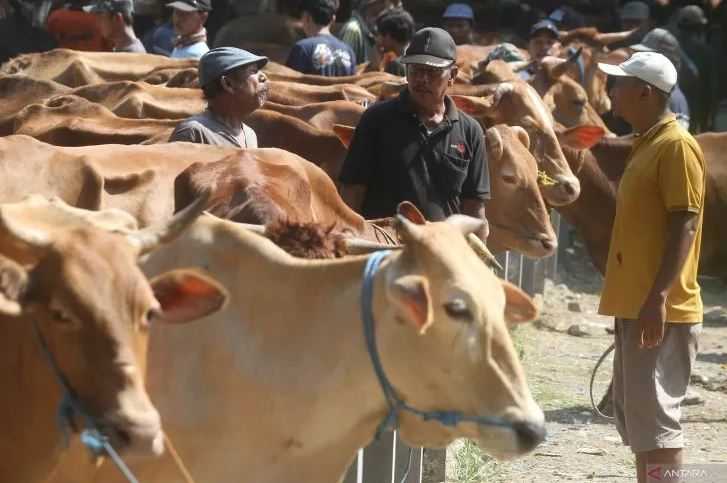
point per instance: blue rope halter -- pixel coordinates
(396, 404)
(71, 407)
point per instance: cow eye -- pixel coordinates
(152, 314)
(457, 309)
(509, 179)
(64, 319)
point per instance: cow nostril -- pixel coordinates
(570, 189)
(549, 244)
(529, 434)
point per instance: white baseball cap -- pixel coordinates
(651, 67)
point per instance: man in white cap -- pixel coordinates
(234, 86)
(651, 285)
(188, 18)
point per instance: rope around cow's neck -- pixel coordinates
(395, 403)
(71, 406)
(92, 437)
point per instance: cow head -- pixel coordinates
(443, 321)
(516, 211)
(518, 104)
(93, 306)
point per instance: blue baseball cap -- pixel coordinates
(459, 10)
(545, 25)
(218, 62)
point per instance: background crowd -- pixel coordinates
(333, 36)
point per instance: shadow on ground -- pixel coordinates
(574, 414)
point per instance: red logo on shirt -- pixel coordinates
(459, 147)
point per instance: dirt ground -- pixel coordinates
(580, 446)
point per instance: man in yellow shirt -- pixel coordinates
(651, 275)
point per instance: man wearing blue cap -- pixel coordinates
(458, 19)
(419, 147)
(234, 87)
(543, 39)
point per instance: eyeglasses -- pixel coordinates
(417, 70)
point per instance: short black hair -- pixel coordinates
(322, 11)
(399, 24)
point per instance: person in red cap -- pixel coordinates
(419, 147)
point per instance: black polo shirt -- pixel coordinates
(394, 156)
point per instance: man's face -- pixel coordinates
(541, 45)
(460, 29)
(428, 85)
(385, 43)
(188, 23)
(626, 94)
(250, 87)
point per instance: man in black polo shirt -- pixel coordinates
(419, 147)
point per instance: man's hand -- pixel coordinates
(476, 208)
(652, 319)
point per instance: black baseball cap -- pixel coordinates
(431, 46)
(545, 25)
(111, 6)
(191, 5)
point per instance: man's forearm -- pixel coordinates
(681, 230)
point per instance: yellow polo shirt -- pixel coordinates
(664, 173)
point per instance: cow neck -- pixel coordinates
(34, 401)
(593, 212)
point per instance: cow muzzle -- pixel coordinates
(137, 435)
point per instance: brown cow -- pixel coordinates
(295, 94)
(74, 68)
(322, 115)
(136, 179)
(73, 121)
(440, 320)
(516, 103)
(92, 311)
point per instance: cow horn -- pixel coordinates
(259, 229)
(482, 251)
(356, 246)
(150, 238)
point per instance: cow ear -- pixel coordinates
(580, 137)
(412, 301)
(519, 307)
(475, 106)
(411, 213)
(13, 285)
(186, 295)
(344, 133)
